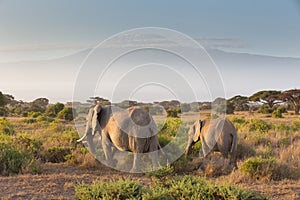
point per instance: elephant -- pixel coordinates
(215, 135)
(132, 130)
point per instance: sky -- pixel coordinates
(33, 32)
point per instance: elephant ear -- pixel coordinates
(95, 123)
(202, 123)
(196, 130)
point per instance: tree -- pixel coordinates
(98, 100)
(269, 97)
(292, 96)
(240, 103)
(39, 105)
(3, 100)
(54, 109)
(67, 114)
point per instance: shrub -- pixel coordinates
(163, 140)
(34, 114)
(185, 187)
(258, 125)
(161, 172)
(56, 154)
(265, 109)
(170, 127)
(43, 118)
(31, 146)
(54, 109)
(260, 168)
(11, 160)
(121, 189)
(3, 112)
(66, 114)
(6, 127)
(277, 113)
(172, 113)
(296, 125)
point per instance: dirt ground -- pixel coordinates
(57, 182)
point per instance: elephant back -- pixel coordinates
(139, 116)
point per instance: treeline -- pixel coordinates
(267, 101)
(38, 108)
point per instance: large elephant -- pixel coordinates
(132, 130)
(215, 135)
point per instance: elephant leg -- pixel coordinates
(154, 152)
(107, 148)
(91, 144)
(233, 160)
(136, 167)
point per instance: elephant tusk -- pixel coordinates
(79, 140)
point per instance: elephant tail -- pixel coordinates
(234, 143)
(234, 147)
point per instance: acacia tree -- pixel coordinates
(269, 97)
(292, 96)
(240, 103)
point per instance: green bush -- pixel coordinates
(54, 109)
(185, 187)
(265, 109)
(296, 126)
(162, 172)
(3, 112)
(66, 114)
(163, 140)
(30, 145)
(6, 127)
(258, 125)
(172, 113)
(170, 127)
(121, 189)
(277, 113)
(56, 154)
(265, 168)
(34, 114)
(43, 118)
(11, 160)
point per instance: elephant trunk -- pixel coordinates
(188, 147)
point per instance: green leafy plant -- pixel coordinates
(121, 189)
(179, 187)
(67, 114)
(56, 154)
(6, 127)
(258, 125)
(161, 172)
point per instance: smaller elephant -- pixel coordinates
(215, 135)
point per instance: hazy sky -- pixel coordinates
(35, 30)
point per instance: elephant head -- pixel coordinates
(194, 135)
(92, 124)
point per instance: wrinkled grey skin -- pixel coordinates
(215, 135)
(132, 130)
